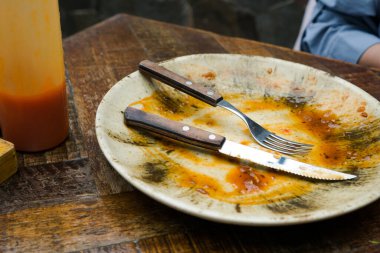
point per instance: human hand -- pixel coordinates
(371, 57)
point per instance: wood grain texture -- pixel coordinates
(83, 205)
(86, 222)
(45, 185)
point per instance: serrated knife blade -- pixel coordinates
(281, 163)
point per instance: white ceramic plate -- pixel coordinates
(293, 100)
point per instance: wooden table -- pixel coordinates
(70, 199)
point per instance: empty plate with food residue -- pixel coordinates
(292, 100)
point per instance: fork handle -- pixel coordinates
(173, 129)
(176, 81)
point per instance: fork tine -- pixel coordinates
(279, 149)
(286, 143)
(279, 138)
(277, 142)
(292, 149)
(266, 138)
(287, 146)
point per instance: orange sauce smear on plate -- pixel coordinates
(237, 181)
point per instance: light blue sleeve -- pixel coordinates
(354, 7)
(340, 36)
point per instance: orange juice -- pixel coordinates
(33, 102)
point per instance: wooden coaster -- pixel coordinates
(8, 160)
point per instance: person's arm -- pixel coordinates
(358, 8)
(371, 57)
(341, 36)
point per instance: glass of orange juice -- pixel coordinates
(33, 102)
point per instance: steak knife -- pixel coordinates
(202, 138)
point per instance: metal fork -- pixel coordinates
(266, 138)
(261, 135)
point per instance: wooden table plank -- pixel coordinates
(88, 222)
(178, 242)
(161, 43)
(126, 247)
(46, 185)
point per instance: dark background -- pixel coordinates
(272, 21)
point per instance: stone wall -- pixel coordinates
(272, 21)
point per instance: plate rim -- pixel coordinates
(210, 215)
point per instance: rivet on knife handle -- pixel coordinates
(191, 88)
(173, 129)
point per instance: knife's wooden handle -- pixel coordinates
(173, 129)
(196, 90)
